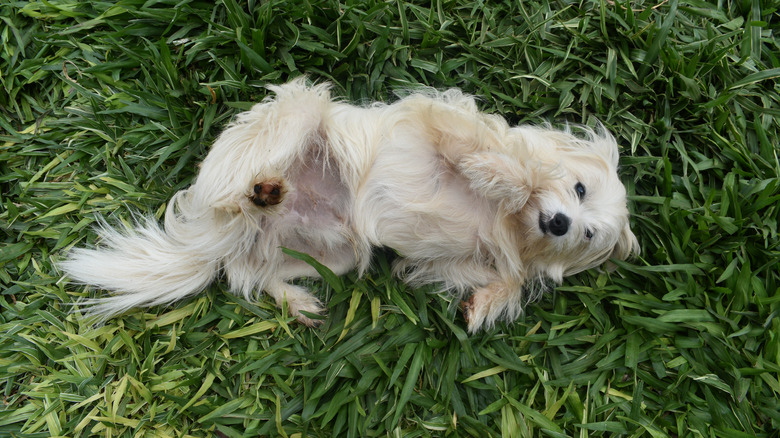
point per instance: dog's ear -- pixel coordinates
(627, 245)
(605, 145)
(498, 177)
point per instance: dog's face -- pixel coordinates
(576, 216)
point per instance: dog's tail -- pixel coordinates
(147, 265)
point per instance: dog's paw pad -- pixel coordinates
(475, 313)
(465, 307)
(267, 193)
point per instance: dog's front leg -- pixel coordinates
(498, 177)
(490, 303)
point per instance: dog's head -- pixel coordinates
(575, 217)
(570, 206)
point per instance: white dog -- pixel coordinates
(465, 199)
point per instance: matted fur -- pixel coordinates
(465, 199)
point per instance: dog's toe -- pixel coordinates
(265, 193)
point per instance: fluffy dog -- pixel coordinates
(465, 200)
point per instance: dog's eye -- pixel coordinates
(580, 189)
(588, 234)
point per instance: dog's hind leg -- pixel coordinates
(213, 225)
(246, 169)
(298, 299)
(339, 257)
(268, 192)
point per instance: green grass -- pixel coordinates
(107, 107)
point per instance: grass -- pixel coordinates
(107, 107)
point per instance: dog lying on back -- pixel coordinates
(466, 200)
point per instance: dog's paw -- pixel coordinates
(474, 312)
(308, 304)
(497, 176)
(465, 307)
(297, 299)
(268, 192)
(488, 304)
(309, 322)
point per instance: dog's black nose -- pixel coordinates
(559, 224)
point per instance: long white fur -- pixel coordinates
(459, 194)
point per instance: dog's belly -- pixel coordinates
(316, 220)
(441, 228)
(413, 202)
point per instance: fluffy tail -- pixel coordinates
(147, 265)
(143, 266)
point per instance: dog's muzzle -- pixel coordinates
(558, 225)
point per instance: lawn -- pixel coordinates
(107, 107)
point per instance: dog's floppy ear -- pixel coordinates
(498, 177)
(627, 244)
(605, 145)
